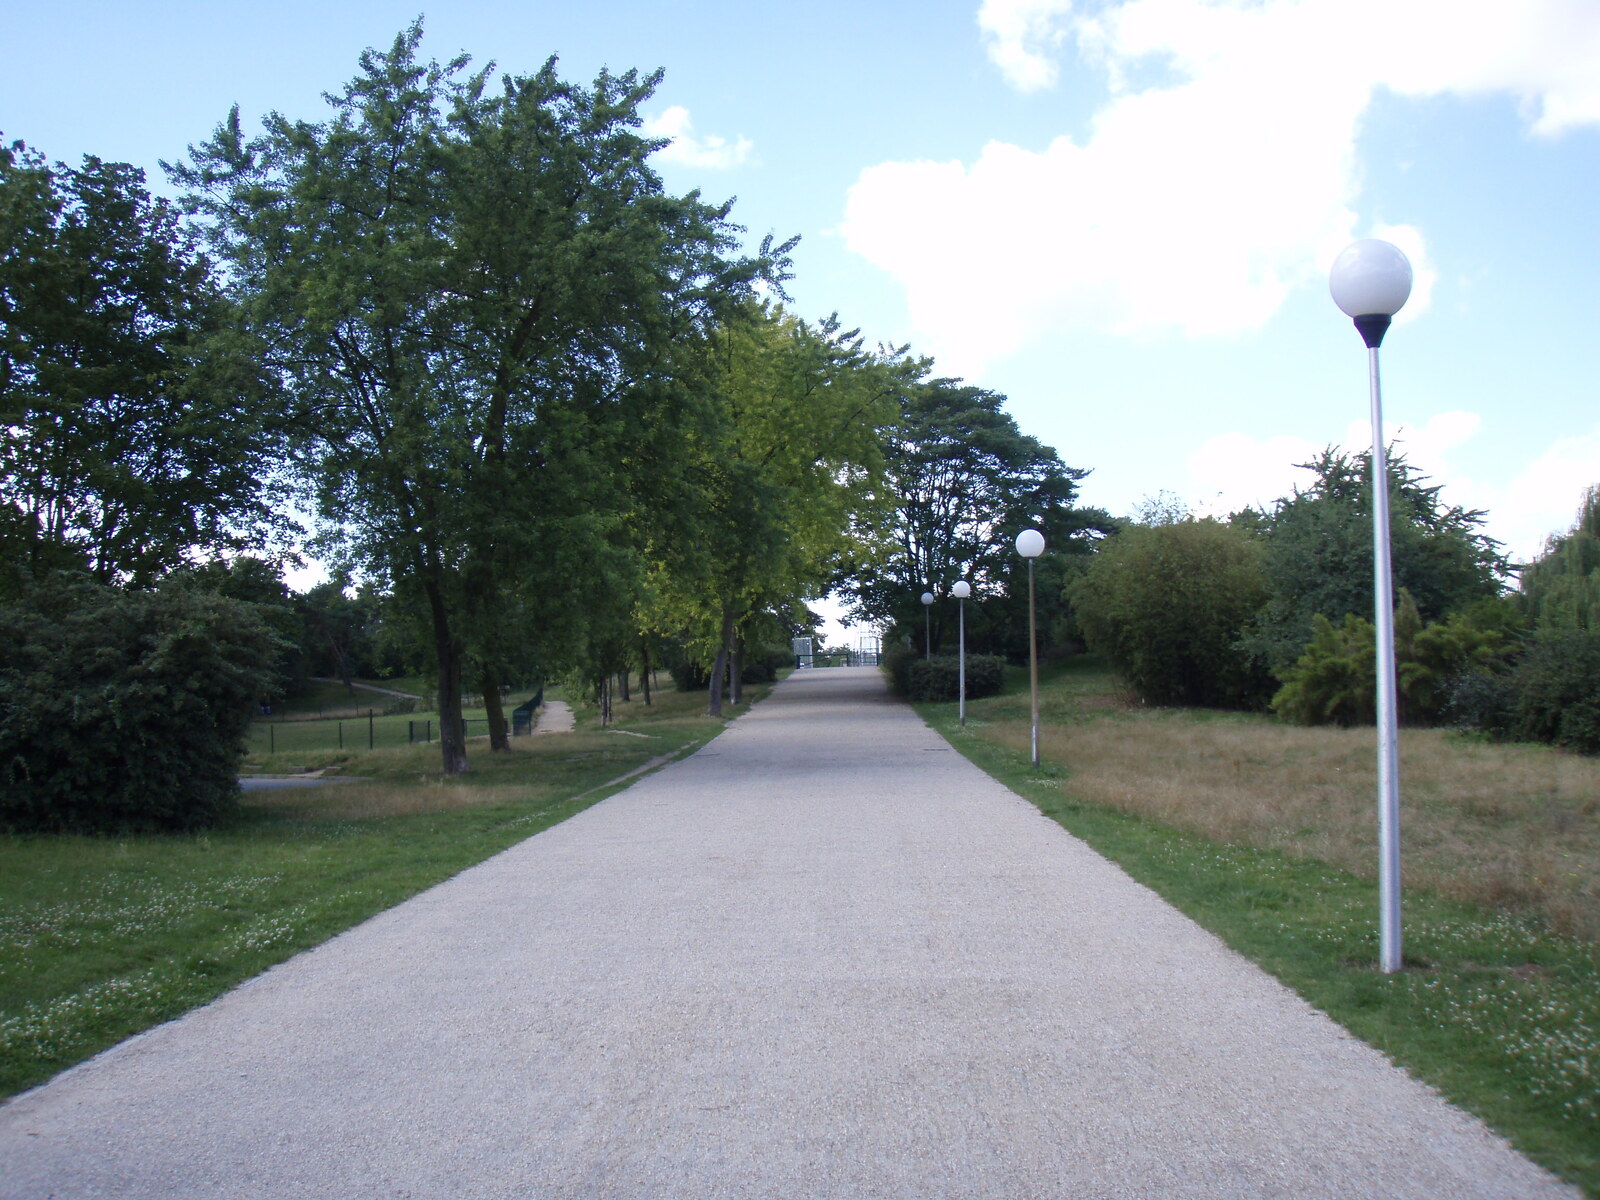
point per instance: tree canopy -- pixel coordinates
(458, 286)
(1318, 552)
(135, 433)
(961, 480)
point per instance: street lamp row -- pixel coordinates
(1030, 544)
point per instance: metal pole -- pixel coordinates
(1389, 956)
(1033, 665)
(927, 633)
(961, 609)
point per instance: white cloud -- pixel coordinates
(1023, 37)
(1196, 204)
(1543, 498)
(1233, 470)
(689, 149)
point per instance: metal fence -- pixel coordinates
(371, 732)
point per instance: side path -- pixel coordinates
(824, 957)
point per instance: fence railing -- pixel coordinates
(371, 732)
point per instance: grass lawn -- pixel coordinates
(103, 937)
(327, 717)
(1265, 834)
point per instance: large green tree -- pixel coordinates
(961, 481)
(460, 285)
(1561, 588)
(136, 431)
(1318, 553)
(785, 449)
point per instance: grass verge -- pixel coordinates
(1496, 1008)
(101, 938)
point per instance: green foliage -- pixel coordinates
(136, 425)
(1335, 679)
(1555, 690)
(961, 481)
(1561, 588)
(939, 678)
(897, 660)
(472, 296)
(1166, 604)
(1317, 553)
(763, 661)
(125, 710)
(782, 450)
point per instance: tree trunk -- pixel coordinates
(736, 671)
(719, 669)
(341, 664)
(644, 672)
(603, 695)
(622, 685)
(489, 681)
(448, 652)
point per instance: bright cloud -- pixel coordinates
(1234, 470)
(1198, 202)
(1023, 38)
(690, 149)
(1543, 498)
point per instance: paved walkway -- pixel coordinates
(554, 716)
(822, 958)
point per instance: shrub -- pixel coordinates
(1166, 605)
(897, 660)
(939, 678)
(763, 661)
(1335, 679)
(123, 711)
(1555, 690)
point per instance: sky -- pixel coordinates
(1118, 213)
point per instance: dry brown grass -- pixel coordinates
(1508, 826)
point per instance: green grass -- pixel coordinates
(1494, 1010)
(101, 938)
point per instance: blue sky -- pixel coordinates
(1118, 213)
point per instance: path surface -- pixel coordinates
(554, 716)
(822, 958)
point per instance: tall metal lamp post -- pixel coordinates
(961, 591)
(1030, 544)
(1370, 282)
(927, 626)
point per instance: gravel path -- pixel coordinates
(822, 958)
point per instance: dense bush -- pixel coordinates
(124, 711)
(763, 661)
(1335, 679)
(1166, 604)
(897, 660)
(1555, 691)
(939, 678)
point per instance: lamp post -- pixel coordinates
(927, 626)
(1370, 282)
(1030, 544)
(961, 591)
